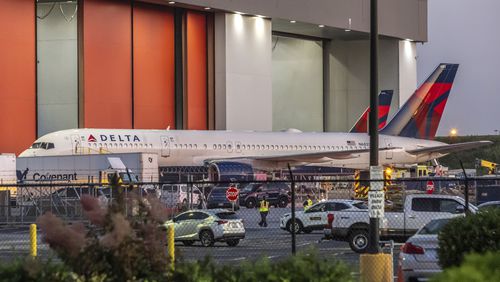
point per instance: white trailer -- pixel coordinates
(83, 168)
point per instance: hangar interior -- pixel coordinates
(198, 64)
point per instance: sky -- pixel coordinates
(468, 33)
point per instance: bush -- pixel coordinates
(476, 268)
(477, 233)
(33, 270)
(118, 245)
(299, 268)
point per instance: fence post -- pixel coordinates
(466, 192)
(171, 245)
(33, 241)
(292, 226)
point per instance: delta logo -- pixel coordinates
(114, 138)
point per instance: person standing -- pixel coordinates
(308, 203)
(264, 211)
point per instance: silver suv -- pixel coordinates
(208, 227)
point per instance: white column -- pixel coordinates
(243, 84)
(407, 70)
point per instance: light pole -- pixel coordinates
(374, 238)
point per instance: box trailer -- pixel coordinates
(83, 168)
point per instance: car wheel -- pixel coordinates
(298, 226)
(358, 240)
(233, 243)
(207, 238)
(283, 202)
(251, 203)
(188, 243)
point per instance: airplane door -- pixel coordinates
(165, 146)
(75, 144)
(388, 153)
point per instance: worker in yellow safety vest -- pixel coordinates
(308, 203)
(264, 211)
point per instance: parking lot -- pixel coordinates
(271, 242)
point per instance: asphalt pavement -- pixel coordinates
(271, 242)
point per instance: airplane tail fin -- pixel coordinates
(385, 98)
(419, 117)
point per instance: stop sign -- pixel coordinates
(232, 194)
(430, 187)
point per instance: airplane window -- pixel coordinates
(258, 147)
(229, 146)
(238, 146)
(219, 147)
(224, 147)
(267, 147)
(205, 146)
(50, 146)
(253, 147)
(190, 146)
(282, 147)
(244, 147)
(215, 147)
(314, 147)
(196, 146)
(136, 145)
(272, 147)
(324, 148)
(35, 145)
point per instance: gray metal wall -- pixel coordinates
(397, 18)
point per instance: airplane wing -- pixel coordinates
(316, 157)
(450, 148)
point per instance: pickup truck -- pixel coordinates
(399, 224)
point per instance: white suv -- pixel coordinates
(208, 227)
(316, 217)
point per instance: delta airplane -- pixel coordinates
(419, 117)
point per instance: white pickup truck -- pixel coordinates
(417, 210)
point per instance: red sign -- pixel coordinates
(430, 187)
(232, 194)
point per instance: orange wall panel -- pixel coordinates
(107, 59)
(196, 80)
(17, 75)
(154, 85)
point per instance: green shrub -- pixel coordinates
(299, 268)
(475, 268)
(119, 245)
(33, 270)
(477, 233)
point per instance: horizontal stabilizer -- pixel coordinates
(450, 148)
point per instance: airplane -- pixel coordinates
(385, 99)
(275, 150)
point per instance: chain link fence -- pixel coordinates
(269, 219)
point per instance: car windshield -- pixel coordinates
(434, 226)
(227, 215)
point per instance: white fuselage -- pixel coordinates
(196, 147)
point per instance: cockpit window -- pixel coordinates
(36, 145)
(42, 145)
